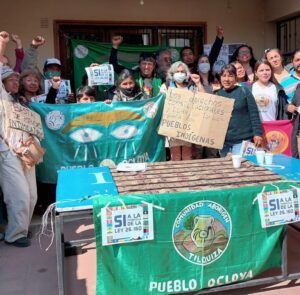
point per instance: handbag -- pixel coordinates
(30, 152)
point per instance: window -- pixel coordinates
(288, 36)
(164, 35)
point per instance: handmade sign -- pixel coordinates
(64, 89)
(279, 207)
(202, 240)
(96, 134)
(22, 118)
(134, 223)
(199, 118)
(100, 75)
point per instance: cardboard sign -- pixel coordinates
(279, 207)
(64, 89)
(126, 225)
(100, 75)
(199, 118)
(22, 118)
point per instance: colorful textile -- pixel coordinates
(279, 136)
(94, 134)
(202, 239)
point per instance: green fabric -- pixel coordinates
(87, 52)
(94, 134)
(98, 52)
(130, 268)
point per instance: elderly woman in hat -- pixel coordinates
(18, 183)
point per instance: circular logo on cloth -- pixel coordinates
(150, 109)
(277, 141)
(81, 51)
(55, 120)
(201, 232)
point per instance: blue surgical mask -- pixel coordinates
(204, 67)
(179, 77)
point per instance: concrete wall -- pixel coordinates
(242, 23)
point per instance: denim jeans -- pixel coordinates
(235, 149)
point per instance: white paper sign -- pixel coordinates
(64, 89)
(100, 75)
(248, 148)
(278, 208)
(39, 98)
(126, 225)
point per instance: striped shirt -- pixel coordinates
(289, 85)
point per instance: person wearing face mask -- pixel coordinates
(179, 76)
(145, 75)
(189, 58)
(126, 88)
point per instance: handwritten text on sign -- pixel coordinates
(22, 118)
(199, 118)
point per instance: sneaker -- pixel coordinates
(21, 242)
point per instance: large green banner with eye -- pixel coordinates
(95, 134)
(202, 239)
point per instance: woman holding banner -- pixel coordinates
(244, 124)
(179, 76)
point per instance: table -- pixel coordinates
(283, 165)
(183, 176)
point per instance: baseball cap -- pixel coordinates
(52, 61)
(7, 71)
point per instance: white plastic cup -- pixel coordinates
(269, 158)
(236, 161)
(260, 157)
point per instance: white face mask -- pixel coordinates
(179, 77)
(204, 67)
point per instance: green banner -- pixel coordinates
(201, 240)
(87, 52)
(95, 134)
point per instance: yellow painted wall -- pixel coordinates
(279, 9)
(244, 21)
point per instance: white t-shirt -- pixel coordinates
(267, 100)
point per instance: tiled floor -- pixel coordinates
(32, 270)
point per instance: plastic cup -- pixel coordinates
(236, 161)
(260, 156)
(269, 159)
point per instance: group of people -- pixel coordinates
(263, 90)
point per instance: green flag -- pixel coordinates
(201, 240)
(94, 134)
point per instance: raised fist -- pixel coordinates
(16, 39)
(4, 37)
(116, 41)
(220, 31)
(38, 41)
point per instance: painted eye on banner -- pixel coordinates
(125, 132)
(86, 135)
